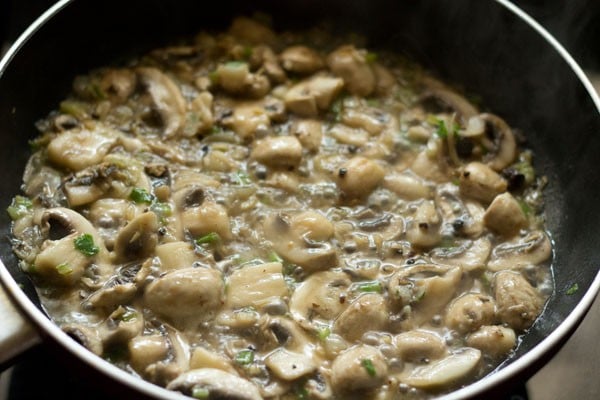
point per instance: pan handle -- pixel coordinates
(16, 333)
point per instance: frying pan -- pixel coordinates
(488, 47)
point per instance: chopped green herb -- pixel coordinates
(216, 129)
(162, 210)
(199, 392)
(526, 169)
(247, 52)
(525, 207)
(242, 178)
(19, 207)
(274, 257)
(301, 393)
(209, 238)
(140, 196)
(235, 64)
(368, 366)
(572, 290)
(74, 108)
(371, 57)
(214, 77)
(244, 357)
(64, 269)
(85, 244)
(441, 131)
(370, 287)
(128, 315)
(96, 92)
(323, 332)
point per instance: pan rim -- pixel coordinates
(554, 339)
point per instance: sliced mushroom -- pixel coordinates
(425, 288)
(269, 62)
(369, 119)
(110, 215)
(309, 132)
(289, 365)
(407, 186)
(218, 384)
(533, 249)
(301, 60)
(146, 350)
(60, 263)
(87, 336)
(423, 229)
(322, 295)
(235, 78)
(255, 286)
(359, 176)
(351, 136)
(518, 303)
(204, 358)
(207, 218)
(279, 151)
(419, 346)
(302, 239)
(122, 325)
(80, 148)
(312, 95)
(367, 313)
(495, 340)
(118, 83)
(113, 293)
(504, 215)
(461, 218)
(166, 98)
(447, 99)
(186, 295)
(351, 65)
(504, 149)
(469, 312)
(138, 238)
(480, 182)
(447, 371)
(175, 255)
(247, 119)
(358, 368)
(470, 255)
(200, 118)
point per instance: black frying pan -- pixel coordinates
(489, 47)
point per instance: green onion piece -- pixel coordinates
(572, 290)
(244, 357)
(371, 57)
(19, 207)
(140, 196)
(235, 64)
(301, 393)
(74, 108)
(128, 315)
(368, 366)
(209, 238)
(441, 131)
(323, 332)
(524, 207)
(199, 392)
(370, 287)
(274, 257)
(526, 169)
(214, 77)
(242, 178)
(64, 269)
(85, 244)
(162, 210)
(247, 52)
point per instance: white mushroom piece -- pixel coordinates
(480, 182)
(278, 151)
(420, 291)
(361, 367)
(419, 346)
(309, 132)
(145, 350)
(71, 245)
(443, 99)
(301, 60)
(87, 336)
(320, 297)
(359, 176)
(461, 217)
(469, 312)
(186, 296)
(423, 228)
(314, 94)
(123, 324)
(521, 252)
(256, 286)
(407, 186)
(468, 254)
(367, 313)
(214, 384)
(494, 340)
(235, 78)
(167, 99)
(77, 149)
(504, 215)
(118, 83)
(137, 239)
(446, 371)
(503, 149)
(352, 66)
(302, 239)
(518, 303)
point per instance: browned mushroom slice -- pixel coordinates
(312, 95)
(446, 100)
(301, 60)
(138, 238)
(480, 182)
(518, 303)
(166, 98)
(532, 249)
(77, 149)
(216, 383)
(505, 216)
(504, 147)
(352, 66)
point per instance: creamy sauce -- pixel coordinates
(283, 216)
